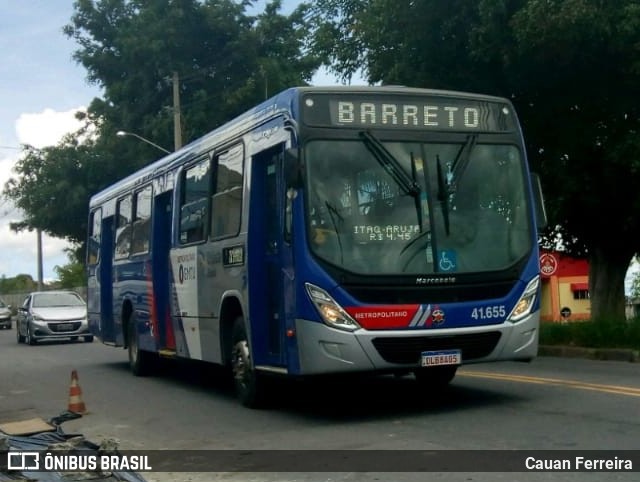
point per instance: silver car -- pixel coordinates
(5, 315)
(52, 315)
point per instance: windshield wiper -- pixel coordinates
(443, 195)
(390, 164)
(418, 200)
(461, 162)
(331, 209)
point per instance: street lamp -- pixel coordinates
(124, 133)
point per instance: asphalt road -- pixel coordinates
(549, 404)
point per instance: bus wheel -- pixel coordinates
(140, 361)
(248, 382)
(435, 376)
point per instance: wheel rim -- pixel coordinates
(241, 363)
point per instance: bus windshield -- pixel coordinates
(466, 209)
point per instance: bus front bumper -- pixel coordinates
(324, 350)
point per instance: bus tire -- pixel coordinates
(434, 377)
(249, 384)
(140, 361)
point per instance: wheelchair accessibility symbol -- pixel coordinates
(447, 260)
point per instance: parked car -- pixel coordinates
(52, 315)
(5, 315)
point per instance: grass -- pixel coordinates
(592, 334)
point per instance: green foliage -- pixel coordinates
(22, 283)
(51, 188)
(226, 61)
(71, 275)
(590, 334)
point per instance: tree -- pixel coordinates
(53, 185)
(572, 69)
(51, 189)
(132, 48)
(71, 275)
(22, 283)
(227, 61)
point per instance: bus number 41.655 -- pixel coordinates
(489, 312)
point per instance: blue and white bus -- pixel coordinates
(327, 230)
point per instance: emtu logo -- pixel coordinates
(23, 461)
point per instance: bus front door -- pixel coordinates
(160, 244)
(105, 277)
(272, 273)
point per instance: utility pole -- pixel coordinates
(177, 128)
(38, 239)
(40, 281)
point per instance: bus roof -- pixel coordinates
(283, 103)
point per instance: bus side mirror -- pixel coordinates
(292, 167)
(538, 199)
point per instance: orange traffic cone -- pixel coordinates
(75, 395)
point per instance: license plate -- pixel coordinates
(64, 327)
(442, 357)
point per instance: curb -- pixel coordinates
(610, 354)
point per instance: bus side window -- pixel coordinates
(142, 221)
(123, 228)
(226, 202)
(194, 202)
(93, 244)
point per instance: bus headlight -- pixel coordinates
(331, 312)
(525, 303)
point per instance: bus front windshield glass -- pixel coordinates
(404, 207)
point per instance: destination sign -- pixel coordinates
(364, 111)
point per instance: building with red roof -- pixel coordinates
(565, 287)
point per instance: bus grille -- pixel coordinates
(408, 350)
